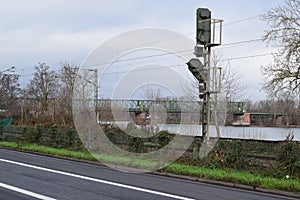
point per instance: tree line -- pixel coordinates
(46, 99)
(287, 106)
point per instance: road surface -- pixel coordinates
(28, 176)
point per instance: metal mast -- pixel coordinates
(205, 40)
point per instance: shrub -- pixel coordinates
(136, 144)
(1, 133)
(54, 137)
(288, 159)
(71, 137)
(164, 138)
(231, 154)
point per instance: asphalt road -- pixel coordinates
(29, 176)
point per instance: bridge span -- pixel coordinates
(175, 111)
(171, 106)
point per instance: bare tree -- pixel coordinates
(43, 86)
(67, 77)
(284, 105)
(283, 32)
(232, 86)
(9, 92)
(151, 93)
(287, 106)
(232, 89)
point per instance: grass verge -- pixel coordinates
(234, 176)
(231, 176)
(49, 150)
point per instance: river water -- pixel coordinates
(256, 133)
(237, 132)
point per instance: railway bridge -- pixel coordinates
(174, 110)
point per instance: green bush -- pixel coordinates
(288, 159)
(1, 133)
(71, 137)
(114, 135)
(229, 154)
(54, 136)
(39, 134)
(33, 135)
(164, 138)
(135, 144)
(235, 157)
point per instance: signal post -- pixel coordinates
(206, 31)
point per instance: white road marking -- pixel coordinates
(98, 180)
(26, 192)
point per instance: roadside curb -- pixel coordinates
(228, 184)
(183, 177)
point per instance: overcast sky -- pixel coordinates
(33, 31)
